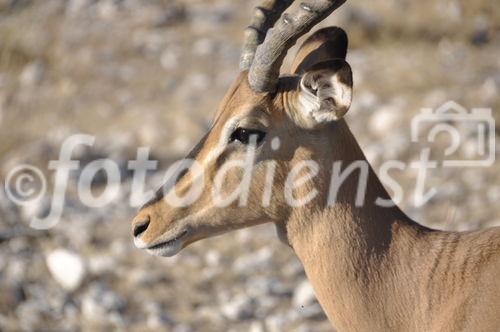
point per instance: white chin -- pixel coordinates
(167, 249)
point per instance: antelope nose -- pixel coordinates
(141, 226)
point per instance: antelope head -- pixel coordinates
(273, 123)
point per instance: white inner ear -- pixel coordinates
(315, 100)
(309, 102)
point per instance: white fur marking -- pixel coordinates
(310, 104)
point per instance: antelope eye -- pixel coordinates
(245, 135)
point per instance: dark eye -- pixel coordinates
(245, 135)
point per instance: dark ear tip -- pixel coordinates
(334, 35)
(332, 64)
(326, 43)
(335, 40)
(339, 66)
(332, 32)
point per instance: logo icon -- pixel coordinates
(471, 134)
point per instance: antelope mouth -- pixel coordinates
(169, 247)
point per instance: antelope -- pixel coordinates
(372, 268)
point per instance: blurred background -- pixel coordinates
(151, 73)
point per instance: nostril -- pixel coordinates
(141, 227)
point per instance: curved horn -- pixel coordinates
(264, 17)
(265, 69)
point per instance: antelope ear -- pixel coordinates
(325, 44)
(326, 91)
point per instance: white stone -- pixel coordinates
(494, 194)
(169, 59)
(100, 264)
(32, 74)
(275, 323)
(73, 7)
(182, 328)
(66, 267)
(489, 90)
(212, 258)
(100, 303)
(204, 47)
(2, 103)
(373, 152)
(304, 294)
(35, 208)
(107, 9)
(156, 319)
(385, 119)
(256, 327)
(252, 261)
(494, 223)
(240, 307)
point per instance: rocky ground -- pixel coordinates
(150, 73)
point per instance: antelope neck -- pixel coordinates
(350, 252)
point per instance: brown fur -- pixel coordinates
(372, 268)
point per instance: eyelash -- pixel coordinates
(243, 135)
